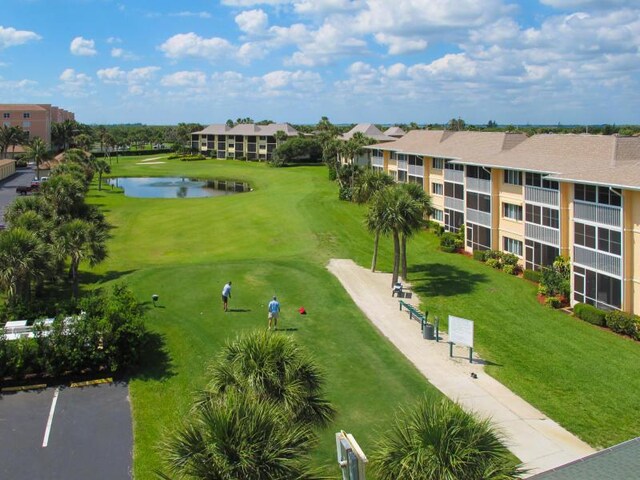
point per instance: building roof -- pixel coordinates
(248, 129)
(620, 462)
(12, 107)
(394, 132)
(368, 130)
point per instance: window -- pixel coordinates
(437, 188)
(609, 241)
(512, 245)
(415, 179)
(593, 194)
(584, 235)
(26, 115)
(537, 180)
(453, 220)
(513, 177)
(479, 201)
(538, 255)
(402, 175)
(26, 124)
(596, 289)
(478, 237)
(454, 190)
(512, 211)
(478, 172)
(437, 215)
(7, 124)
(453, 166)
(437, 163)
(6, 115)
(548, 217)
(415, 160)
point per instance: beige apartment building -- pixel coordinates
(35, 119)
(246, 141)
(537, 197)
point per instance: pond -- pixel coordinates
(176, 187)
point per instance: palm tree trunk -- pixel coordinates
(99, 181)
(37, 168)
(403, 256)
(74, 278)
(396, 257)
(374, 260)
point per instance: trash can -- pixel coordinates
(427, 332)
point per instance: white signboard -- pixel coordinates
(461, 331)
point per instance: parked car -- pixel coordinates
(24, 189)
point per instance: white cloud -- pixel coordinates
(400, 45)
(191, 14)
(75, 84)
(83, 47)
(251, 3)
(324, 7)
(191, 45)
(184, 79)
(252, 22)
(122, 54)
(10, 37)
(325, 45)
(136, 79)
(567, 4)
(112, 40)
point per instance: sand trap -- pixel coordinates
(150, 159)
(149, 163)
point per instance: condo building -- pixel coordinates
(536, 197)
(35, 119)
(246, 141)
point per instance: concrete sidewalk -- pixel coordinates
(539, 442)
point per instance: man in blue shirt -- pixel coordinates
(226, 295)
(274, 312)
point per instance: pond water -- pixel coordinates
(176, 187)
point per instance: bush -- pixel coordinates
(493, 263)
(451, 242)
(479, 255)
(532, 275)
(623, 323)
(590, 314)
(552, 302)
(509, 259)
(435, 227)
(510, 269)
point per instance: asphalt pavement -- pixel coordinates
(22, 177)
(66, 433)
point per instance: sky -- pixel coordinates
(162, 62)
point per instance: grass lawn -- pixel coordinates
(277, 239)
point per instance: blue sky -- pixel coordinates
(382, 61)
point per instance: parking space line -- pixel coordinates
(47, 431)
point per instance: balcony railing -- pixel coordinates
(478, 217)
(602, 261)
(540, 233)
(603, 214)
(402, 164)
(454, 204)
(377, 161)
(453, 176)
(542, 195)
(478, 185)
(417, 170)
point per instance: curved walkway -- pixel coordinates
(539, 442)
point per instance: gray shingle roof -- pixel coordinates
(394, 132)
(620, 462)
(248, 129)
(368, 130)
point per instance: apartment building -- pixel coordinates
(368, 130)
(35, 119)
(247, 141)
(538, 197)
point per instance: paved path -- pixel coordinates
(539, 442)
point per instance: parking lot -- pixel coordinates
(22, 177)
(66, 433)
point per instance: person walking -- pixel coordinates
(226, 295)
(274, 313)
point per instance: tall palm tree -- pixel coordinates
(21, 205)
(235, 436)
(11, 137)
(65, 193)
(79, 240)
(38, 151)
(275, 369)
(369, 183)
(22, 256)
(102, 167)
(62, 133)
(438, 440)
(414, 223)
(376, 221)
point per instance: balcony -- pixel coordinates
(478, 217)
(542, 195)
(454, 204)
(416, 170)
(543, 234)
(478, 185)
(602, 214)
(402, 164)
(377, 161)
(595, 260)
(453, 176)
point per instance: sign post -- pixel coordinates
(351, 459)
(461, 333)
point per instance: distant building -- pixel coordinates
(369, 130)
(246, 140)
(35, 119)
(395, 132)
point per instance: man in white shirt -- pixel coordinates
(226, 295)
(274, 312)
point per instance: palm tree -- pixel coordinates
(65, 192)
(376, 221)
(440, 441)
(235, 436)
(11, 137)
(102, 167)
(38, 151)
(414, 223)
(22, 256)
(275, 369)
(62, 133)
(21, 205)
(79, 240)
(84, 141)
(369, 183)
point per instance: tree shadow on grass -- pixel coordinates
(91, 278)
(439, 279)
(155, 361)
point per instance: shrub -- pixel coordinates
(493, 254)
(510, 269)
(435, 227)
(556, 278)
(590, 314)
(479, 255)
(552, 302)
(493, 263)
(531, 275)
(509, 259)
(450, 242)
(623, 322)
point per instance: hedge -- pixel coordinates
(532, 275)
(623, 323)
(590, 314)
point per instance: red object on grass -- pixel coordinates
(302, 311)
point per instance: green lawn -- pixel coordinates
(277, 239)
